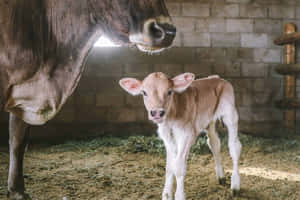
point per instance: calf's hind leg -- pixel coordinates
(235, 147)
(213, 141)
(18, 135)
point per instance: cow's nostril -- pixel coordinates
(156, 31)
(161, 113)
(169, 29)
(153, 113)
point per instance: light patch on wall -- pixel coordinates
(105, 42)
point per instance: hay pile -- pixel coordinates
(133, 168)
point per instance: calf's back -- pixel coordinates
(202, 102)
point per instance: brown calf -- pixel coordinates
(182, 108)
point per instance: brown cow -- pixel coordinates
(43, 48)
(182, 108)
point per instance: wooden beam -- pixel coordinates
(287, 39)
(288, 69)
(288, 103)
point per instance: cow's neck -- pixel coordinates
(74, 37)
(53, 47)
(71, 28)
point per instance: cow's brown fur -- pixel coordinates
(57, 35)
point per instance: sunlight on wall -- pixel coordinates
(105, 42)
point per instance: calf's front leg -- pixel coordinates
(18, 135)
(168, 188)
(184, 144)
(166, 135)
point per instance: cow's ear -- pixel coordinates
(182, 81)
(131, 85)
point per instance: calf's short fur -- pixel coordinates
(182, 108)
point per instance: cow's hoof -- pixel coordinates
(18, 196)
(222, 181)
(235, 193)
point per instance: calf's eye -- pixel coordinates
(169, 92)
(144, 93)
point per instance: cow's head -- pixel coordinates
(158, 92)
(144, 23)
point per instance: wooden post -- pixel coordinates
(290, 80)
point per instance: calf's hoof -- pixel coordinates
(18, 196)
(222, 181)
(235, 193)
(167, 196)
(235, 182)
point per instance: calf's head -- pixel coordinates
(145, 23)
(158, 92)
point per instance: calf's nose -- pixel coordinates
(155, 113)
(161, 113)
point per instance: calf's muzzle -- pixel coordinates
(157, 113)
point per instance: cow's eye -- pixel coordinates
(169, 92)
(144, 93)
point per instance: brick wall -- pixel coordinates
(232, 38)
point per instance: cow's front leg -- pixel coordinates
(18, 135)
(184, 143)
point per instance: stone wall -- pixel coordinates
(232, 38)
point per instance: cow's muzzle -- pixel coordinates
(157, 35)
(162, 35)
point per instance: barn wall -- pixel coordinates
(232, 38)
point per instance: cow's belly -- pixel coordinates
(35, 101)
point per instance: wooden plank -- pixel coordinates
(288, 69)
(287, 39)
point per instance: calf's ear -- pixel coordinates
(131, 85)
(182, 82)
